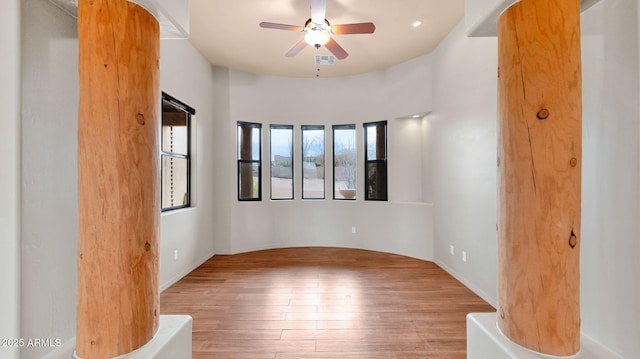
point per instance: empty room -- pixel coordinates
(320, 179)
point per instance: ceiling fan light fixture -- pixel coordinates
(317, 38)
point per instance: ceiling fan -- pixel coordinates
(319, 32)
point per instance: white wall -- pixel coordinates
(185, 75)
(410, 143)
(49, 175)
(464, 118)
(464, 169)
(10, 92)
(224, 184)
(402, 225)
(610, 270)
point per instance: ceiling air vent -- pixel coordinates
(325, 60)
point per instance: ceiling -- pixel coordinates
(226, 32)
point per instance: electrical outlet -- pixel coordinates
(175, 255)
(464, 256)
(353, 230)
(452, 250)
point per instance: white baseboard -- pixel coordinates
(486, 297)
(173, 280)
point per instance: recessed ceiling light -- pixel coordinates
(416, 23)
(414, 116)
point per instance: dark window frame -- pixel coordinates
(190, 111)
(355, 146)
(324, 158)
(384, 195)
(281, 127)
(244, 161)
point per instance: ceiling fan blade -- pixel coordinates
(273, 25)
(360, 28)
(336, 49)
(318, 11)
(296, 49)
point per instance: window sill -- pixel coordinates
(177, 211)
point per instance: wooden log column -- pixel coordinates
(539, 175)
(118, 178)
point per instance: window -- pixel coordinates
(175, 154)
(375, 158)
(312, 162)
(344, 161)
(281, 140)
(249, 161)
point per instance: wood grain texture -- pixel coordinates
(118, 198)
(323, 303)
(539, 175)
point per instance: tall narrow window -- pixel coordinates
(175, 154)
(344, 161)
(281, 140)
(249, 161)
(375, 158)
(313, 162)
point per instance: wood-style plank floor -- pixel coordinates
(323, 303)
